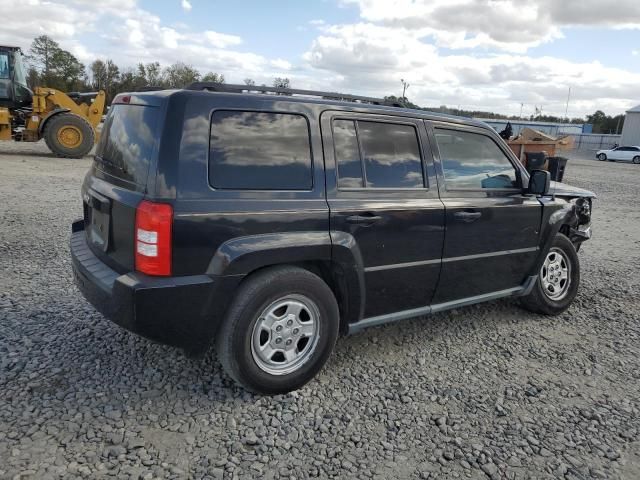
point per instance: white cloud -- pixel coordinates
(281, 64)
(394, 39)
(373, 58)
(186, 5)
(511, 25)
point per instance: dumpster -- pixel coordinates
(557, 166)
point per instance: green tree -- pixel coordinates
(69, 71)
(180, 75)
(281, 82)
(152, 74)
(33, 78)
(41, 56)
(213, 77)
(98, 75)
(111, 76)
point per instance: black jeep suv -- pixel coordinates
(270, 222)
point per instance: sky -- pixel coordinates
(492, 55)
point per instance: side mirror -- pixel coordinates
(539, 182)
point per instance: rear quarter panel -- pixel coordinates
(206, 218)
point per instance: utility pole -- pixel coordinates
(566, 110)
(521, 106)
(405, 85)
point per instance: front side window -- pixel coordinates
(473, 161)
(259, 151)
(387, 153)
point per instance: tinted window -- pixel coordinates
(471, 160)
(259, 151)
(391, 155)
(127, 142)
(347, 154)
(4, 65)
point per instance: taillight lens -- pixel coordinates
(153, 238)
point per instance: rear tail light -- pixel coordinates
(121, 99)
(153, 238)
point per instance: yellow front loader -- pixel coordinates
(67, 122)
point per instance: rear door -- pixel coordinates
(627, 153)
(492, 228)
(382, 190)
(117, 180)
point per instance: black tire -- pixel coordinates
(636, 160)
(257, 294)
(57, 124)
(602, 157)
(538, 301)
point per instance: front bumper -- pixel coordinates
(181, 311)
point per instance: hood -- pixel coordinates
(564, 190)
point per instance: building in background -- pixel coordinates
(549, 128)
(631, 128)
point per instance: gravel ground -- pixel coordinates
(489, 391)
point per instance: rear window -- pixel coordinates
(259, 151)
(127, 142)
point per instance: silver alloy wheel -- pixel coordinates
(555, 275)
(636, 160)
(285, 334)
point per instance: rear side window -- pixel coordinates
(259, 151)
(387, 153)
(127, 142)
(473, 161)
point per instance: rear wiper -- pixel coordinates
(122, 168)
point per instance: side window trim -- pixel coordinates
(432, 126)
(411, 122)
(360, 150)
(262, 190)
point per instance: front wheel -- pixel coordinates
(69, 135)
(279, 331)
(558, 279)
(602, 157)
(636, 160)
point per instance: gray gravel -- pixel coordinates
(488, 391)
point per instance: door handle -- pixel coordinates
(363, 219)
(467, 217)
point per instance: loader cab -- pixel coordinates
(14, 92)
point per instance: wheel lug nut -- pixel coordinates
(279, 328)
(278, 340)
(288, 342)
(289, 323)
(295, 331)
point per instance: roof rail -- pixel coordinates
(230, 88)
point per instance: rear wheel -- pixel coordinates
(279, 331)
(602, 157)
(558, 279)
(636, 160)
(69, 135)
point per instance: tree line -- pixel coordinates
(52, 66)
(602, 123)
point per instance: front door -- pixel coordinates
(382, 191)
(492, 228)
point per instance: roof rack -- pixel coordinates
(230, 88)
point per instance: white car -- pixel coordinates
(624, 154)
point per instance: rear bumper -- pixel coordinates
(181, 311)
